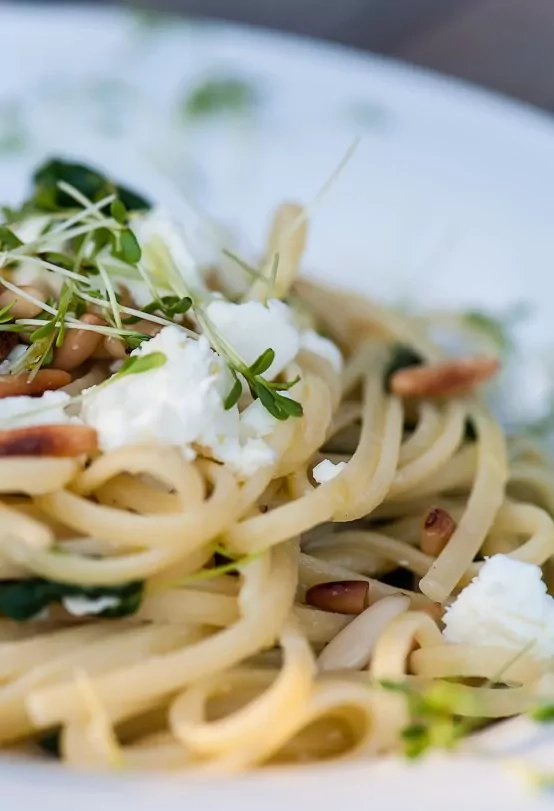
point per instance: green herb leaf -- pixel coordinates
(543, 714)
(144, 363)
(94, 185)
(278, 405)
(23, 599)
(270, 403)
(50, 744)
(233, 565)
(103, 237)
(64, 303)
(5, 313)
(43, 332)
(490, 327)
(217, 95)
(292, 408)
(284, 386)
(13, 328)
(134, 340)
(396, 686)
(403, 357)
(263, 362)
(416, 740)
(119, 212)
(170, 306)
(8, 240)
(128, 249)
(234, 395)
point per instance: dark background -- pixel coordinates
(507, 45)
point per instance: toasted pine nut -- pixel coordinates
(436, 530)
(78, 345)
(48, 440)
(7, 342)
(341, 596)
(443, 379)
(114, 347)
(22, 308)
(44, 380)
(148, 328)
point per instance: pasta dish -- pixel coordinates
(247, 519)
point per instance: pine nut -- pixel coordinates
(44, 380)
(436, 530)
(341, 596)
(22, 308)
(443, 379)
(78, 344)
(48, 440)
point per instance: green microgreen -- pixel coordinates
(444, 712)
(8, 240)
(436, 715)
(138, 365)
(170, 306)
(217, 95)
(267, 392)
(128, 248)
(49, 334)
(543, 713)
(5, 313)
(234, 394)
(119, 212)
(250, 271)
(96, 240)
(492, 328)
(233, 564)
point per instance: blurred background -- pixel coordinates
(506, 45)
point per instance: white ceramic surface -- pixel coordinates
(449, 199)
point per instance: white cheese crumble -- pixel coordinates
(164, 242)
(253, 327)
(506, 605)
(81, 606)
(180, 404)
(48, 409)
(311, 341)
(326, 470)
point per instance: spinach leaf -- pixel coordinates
(470, 434)
(402, 357)
(50, 744)
(23, 599)
(91, 183)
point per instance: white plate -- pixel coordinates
(449, 199)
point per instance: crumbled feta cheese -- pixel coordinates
(16, 412)
(81, 606)
(256, 420)
(162, 242)
(506, 605)
(252, 327)
(326, 470)
(179, 404)
(17, 352)
(311, 341)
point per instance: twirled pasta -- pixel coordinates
(222, 674)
